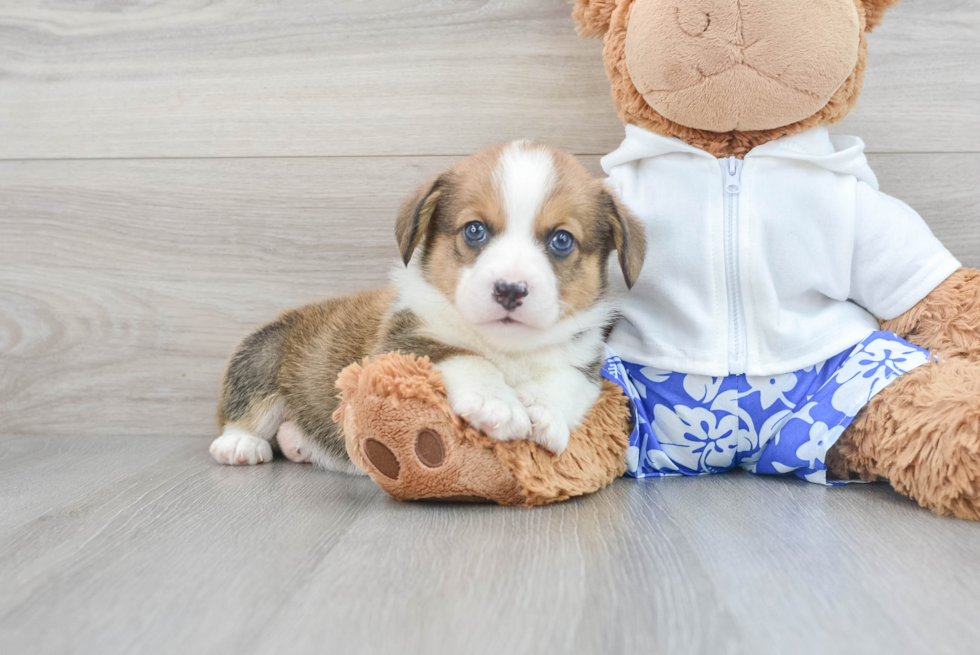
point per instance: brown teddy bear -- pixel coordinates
(779, 270)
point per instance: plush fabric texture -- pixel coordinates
(400, 430)
(947, 320)
(921, 435)
(874, 11)
(592, 16)
(723, 66)
(923, 432)
(595, 17)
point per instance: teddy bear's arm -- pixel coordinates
(947, 321)
(896, 259)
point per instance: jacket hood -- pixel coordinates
(836, 153)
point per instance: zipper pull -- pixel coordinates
(733, 179)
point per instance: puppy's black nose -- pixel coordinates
(509, 294)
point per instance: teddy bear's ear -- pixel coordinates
(592, 16)
(874, 11)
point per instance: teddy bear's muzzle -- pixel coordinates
(724, 65)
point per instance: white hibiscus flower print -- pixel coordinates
(822, 438)
(695, 438)
(819, 477)
(702, 388)
(772, 388)
(804, 413)
(870, 370)
(632, 459)
(771, 427)
(655, 375)
(658, 461)
(727, 401)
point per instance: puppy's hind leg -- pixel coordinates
(292, 442)
(246, 441)
(251, 409)
(326, 449)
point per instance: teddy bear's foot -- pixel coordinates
(416, 472)
(922, 433)
(400, 430)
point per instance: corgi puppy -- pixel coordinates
(504, 288)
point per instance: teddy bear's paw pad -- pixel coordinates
(429, 448)
(382, 458)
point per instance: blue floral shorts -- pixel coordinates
(695, 424)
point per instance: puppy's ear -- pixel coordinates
(592, 17)
(628, 236)
(415, 216)
(874, 11)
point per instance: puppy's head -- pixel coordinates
(518, 238)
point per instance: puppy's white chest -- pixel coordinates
(530, 367)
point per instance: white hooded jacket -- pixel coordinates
(765, 265)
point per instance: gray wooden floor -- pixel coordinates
(173, 173)
(126, 545)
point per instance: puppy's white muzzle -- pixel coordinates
(511, 281)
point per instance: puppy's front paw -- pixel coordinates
(237, 447)
(548, 426)
(496, 411)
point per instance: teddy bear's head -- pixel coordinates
(728, 75)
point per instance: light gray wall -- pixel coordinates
(172, 175)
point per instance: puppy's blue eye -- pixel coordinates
(475, 233)
(562, 243)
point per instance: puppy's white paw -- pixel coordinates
(494, 410)
(548, 427)
(292, 442)
(237, 447)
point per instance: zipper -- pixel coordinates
(737, 338)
